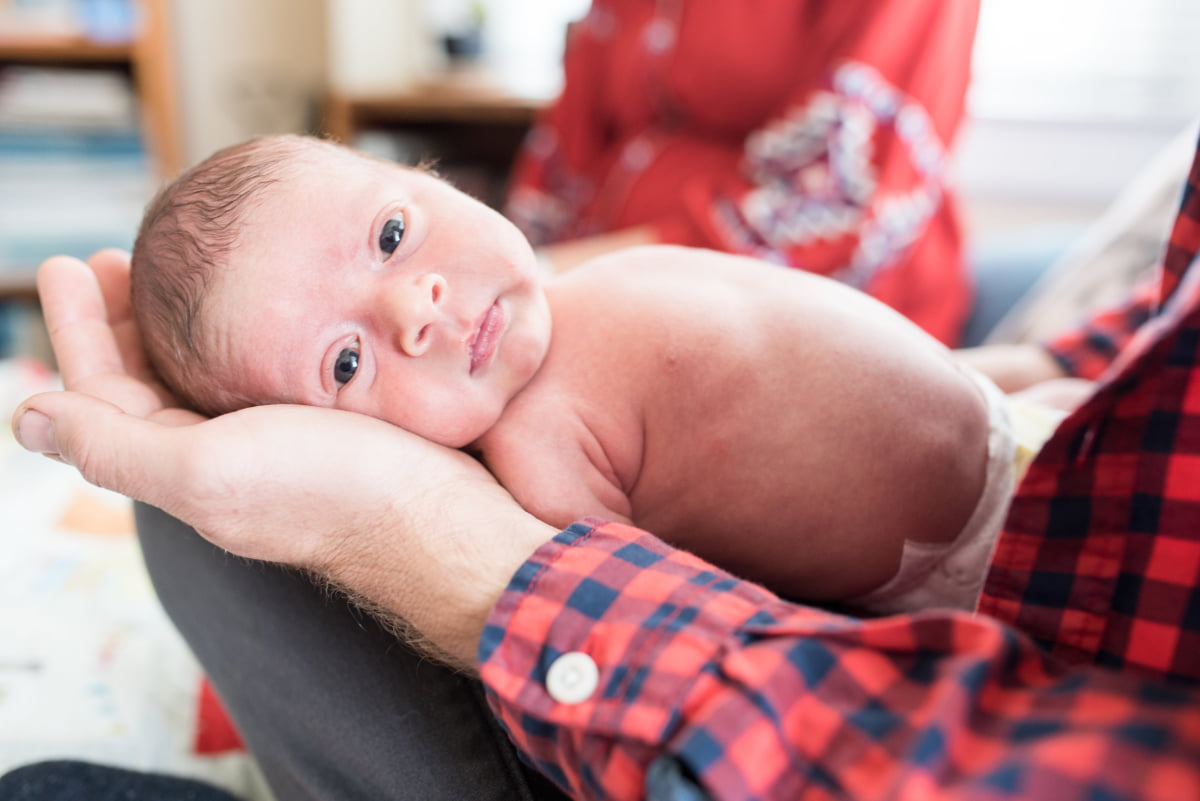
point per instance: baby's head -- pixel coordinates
(292, 270)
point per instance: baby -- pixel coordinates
(793, 430)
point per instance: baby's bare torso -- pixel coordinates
(776, 423)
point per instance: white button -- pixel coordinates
(572, 678)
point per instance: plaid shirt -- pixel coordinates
(1100, 557)
(1087, 351)
(1079, 682)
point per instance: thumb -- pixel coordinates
(112, 449)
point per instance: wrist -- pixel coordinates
(435, 586)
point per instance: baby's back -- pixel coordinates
(774, 422)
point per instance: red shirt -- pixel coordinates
(1078, 679)
(805, 132)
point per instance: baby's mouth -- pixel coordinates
(482, 347)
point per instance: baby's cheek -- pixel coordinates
(454, 423)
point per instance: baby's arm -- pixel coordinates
(1012, 367)
(559, 479)
(1058, 393)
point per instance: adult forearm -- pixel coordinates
(418, 532)
(450, 581)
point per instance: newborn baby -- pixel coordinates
(791, 429)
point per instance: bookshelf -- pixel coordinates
(467, 119)
(44, 158)
(146, 58)
(74, 174)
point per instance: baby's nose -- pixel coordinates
(413, 306)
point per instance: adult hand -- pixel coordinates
(420, 532)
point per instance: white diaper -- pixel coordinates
(950, 574)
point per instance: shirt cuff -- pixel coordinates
(601, 641)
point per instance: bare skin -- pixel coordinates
(699, 395)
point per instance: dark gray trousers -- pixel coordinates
(332, 706)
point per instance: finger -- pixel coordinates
(125, 392)
(112, 449)
(112, 269)
(77, 320)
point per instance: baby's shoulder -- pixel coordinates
(638, 284)
(646, 262)
(663, 272)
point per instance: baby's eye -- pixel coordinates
(345, 366)
(392, 233)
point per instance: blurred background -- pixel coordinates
(101, 99)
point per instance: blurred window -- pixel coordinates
(1088, 60)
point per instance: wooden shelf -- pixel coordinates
(467, 117)
(149, 63)
(154, 74)
(19, 285)
(47, 49)
(148, 58)
(469, 96)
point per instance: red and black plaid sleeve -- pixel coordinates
(751, 697)
(1100, 557)
(1088, 350)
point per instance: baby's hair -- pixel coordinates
(186, 237)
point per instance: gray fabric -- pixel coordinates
(332, 707)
